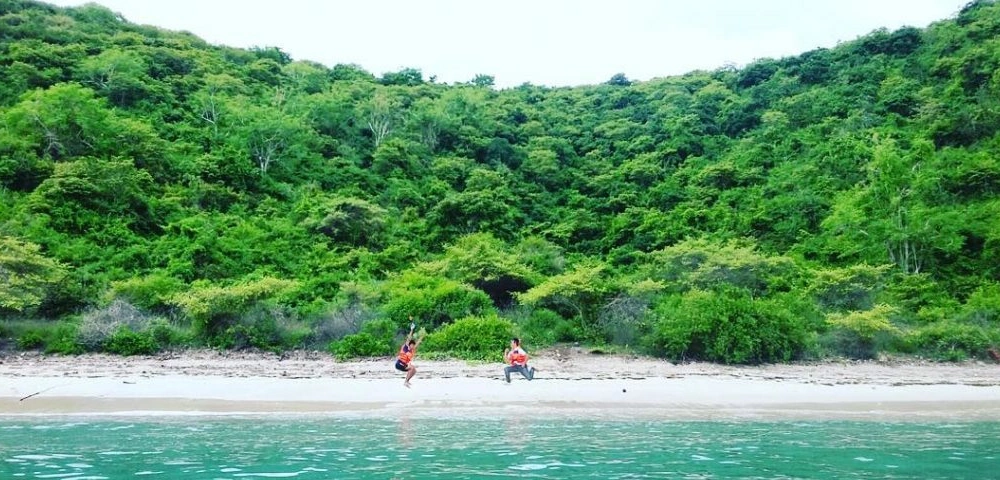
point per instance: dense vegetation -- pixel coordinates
(159, 192)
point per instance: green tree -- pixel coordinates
(26, 275)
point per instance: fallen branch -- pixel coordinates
(36, 393)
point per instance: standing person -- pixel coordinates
(404, 361)
(518, 360)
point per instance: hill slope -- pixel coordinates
(842, 201)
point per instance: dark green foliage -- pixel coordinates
(62, 340)
(30, 341)
(544, 327)
(359, 345)
(376, 339)
(728, 326)
(472, 338)
(126, 342)
(953, 341)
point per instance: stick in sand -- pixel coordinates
(36, 393)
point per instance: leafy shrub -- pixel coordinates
(860, 334)
(360, 344)
(167, 335)
(852, 288)
(472, 338)
(149, 292)
(376, 339)
(263, 328)
(915, 292)
(433, 300)
(30, 341)
(126, 342)
(727, 326)
(540, 325)
(213, 309)
(98, 326)
(983, 306)
(952, 341)
(63, 340)
(340, 322)
(705, 265)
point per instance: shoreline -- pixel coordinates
(569, 385)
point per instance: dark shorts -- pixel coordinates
(402, 367)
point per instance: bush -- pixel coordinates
(167, 335)
(472, 338)
(361, 344)
(951, 341)
(30, 341)
(433, 300)
(539, 325)
(150, 292)
(983, 306)
(63, 340)
(852, 288)
(861, 334)
(263, 328)
(728, 326)
(98, 326)
(376, 339)
(215, 309)
(336, 324)
(126, 342)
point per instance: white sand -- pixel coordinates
(568, 384)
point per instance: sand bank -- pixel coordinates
(569, 383)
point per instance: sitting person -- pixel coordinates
(518, 360)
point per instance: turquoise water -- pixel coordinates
(426, 448)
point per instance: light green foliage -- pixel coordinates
(485, 262)
(852, 288)
(210, 306)
(983, 306)
(472, 338)
(90, 194)
(703, 264)
(149, 292)
(542, 327)
(581, 289)
(892, 215)
(541, 256)
(866, 324)
(860, 334)
(26, 275)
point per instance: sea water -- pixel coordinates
(68, 448)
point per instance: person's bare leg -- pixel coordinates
(410, 372)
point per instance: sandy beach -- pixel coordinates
(569, 382)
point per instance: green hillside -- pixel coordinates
(159, 192)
